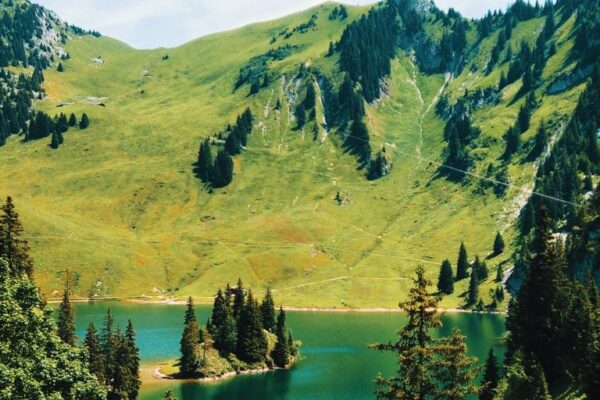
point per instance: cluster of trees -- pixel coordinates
(42, 125)
(16, 96)
(459, 133)
(338, 13)
(553, 310)
(566, 173)
(477, 271)
(34, 361)
(217, 172)
(307, 105)
(256, 71)
(367, 47)
(512, 137)
(238, 327)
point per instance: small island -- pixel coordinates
(241, 337)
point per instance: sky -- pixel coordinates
(167, 23)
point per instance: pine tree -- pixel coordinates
(473, 294)
(281, 352)
(500, 273)
(222, 169)
(66, 317)
(190, 342)
(446, 278)
(94, 351)
(129, 355)
(57, 139)
(331, 50)
(462, 265)
(13, 247)
(454, 370)
(489, 382)
(498, 244)
(205, 162)
(109, 341)
(252, 342)
(84, 122)
(60, 67)
(541, 141)
(72, 120)
(512, 137)
(524, 118)
(267, 309)
(414, 347)
(309, 98)
(239, 299)
(223, 325)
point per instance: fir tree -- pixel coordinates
(309, 98)
(60, 67)
(205, 162)
(130, 363)
(498, 244)
(252, 342)
(66, 317)
(446, 278)
(462, 265)
(524, 118)
(72, 120)
(239, 299)
(13, 247)
(414, 347)
(500, 273)
(541, 141)
(190, 342)
(473, 294)
(57, 139)
(489, 382)
(94, 351)
(84, 122)
(331, 50)
(512, 138)
(267, 309)
(281, 352)
(454, 370)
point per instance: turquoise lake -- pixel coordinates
(336, 363)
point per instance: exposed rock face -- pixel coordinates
(570, 79)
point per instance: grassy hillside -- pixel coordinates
(118, 203)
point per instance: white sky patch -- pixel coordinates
(169, 23)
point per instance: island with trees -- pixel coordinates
(242, 336)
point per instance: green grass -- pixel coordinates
(119, 205)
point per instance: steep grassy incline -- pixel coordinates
(119, 205)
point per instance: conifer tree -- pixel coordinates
(239, 299)
(473, 294)
(498, 244)
(454, 370)
(267, 309)
(489, 382)
(331, 50)
(129, 363)
(66, 317)
(462, 265)
(95, 357)
(72, 120)
(500, 273)
(446, 278)
(541, 141)
(60, 67)
(205, 162)
(13, 247)
(109, 341)
(190, 342)
(252, 342)
(512, 138)
(84, 122)
(223, 325)
(414, 347)
(281, 352)
(309, 98)
(524, 118)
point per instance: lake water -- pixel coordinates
(335, 365)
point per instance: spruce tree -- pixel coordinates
(239, 299)
(190, 342)
(252, 342)
(473, 294)
(414, 347)
(223, 325)
(498, 244)
(500, 273)
(94, 351)
(109, 341)
(281, 352)
(130, 363)
(84, 122)
(462, 264)
(454, 370)
(489, 382)
(60, 67)
(512, 138)
(541, 141)
(72, 120)
(446, 278)
(267, 309)
(66, 317)
(205, 161)
(309, 98)
(13, 247)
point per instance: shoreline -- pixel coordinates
(175, 302)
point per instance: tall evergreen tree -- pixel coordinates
(414, 347)
(239, 299)
(204, 164)
(190, 342)
(281, 352)
(109, 342)
(252, 342)
(446, 278)
(489, 382)
(498, 244)
(129, 361)
(72, 120)
(473, 294)
(66, 317)
(95, 357)
(462, 264)
(13, 247)
(84, 122)
(454, 370)
(267, 309)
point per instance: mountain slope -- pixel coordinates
(119, 204)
